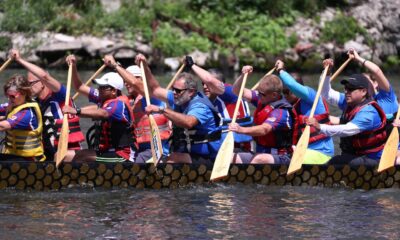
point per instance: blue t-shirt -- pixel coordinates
(387, 101)
(366, 119)
(25, 119)
(307, 96)
(56, 101)
(117, 110)
(205, 117)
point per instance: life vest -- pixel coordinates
(364, 142)
(278, 141)
(25, 143)
(244, 119)
(141, 123)
(114, 135)
(301, 119)
(183, 139)
(75, 134)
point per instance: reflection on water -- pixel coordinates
(202, 212)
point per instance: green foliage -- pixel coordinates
(392, 62)
(341, 29)
(5, 43)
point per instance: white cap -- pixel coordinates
(111, 79)
(134, 70)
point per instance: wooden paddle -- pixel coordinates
(155, 143)
(389, 153)
(5, 64)
(175, 76)
(88, 82)
(225, 153)
(62, 147)
(258, 83)
(340, 69)
(302, 144)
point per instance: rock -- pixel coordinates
(200, 58)
(110, 5)
(173, 63)
(386, 49)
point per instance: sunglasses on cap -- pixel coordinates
(178, 91)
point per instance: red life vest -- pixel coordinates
(300, 123)
(141, 123)
(364, 142)
(75, 133)
(115, 135)
(279, 139)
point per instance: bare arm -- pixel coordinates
(179, 119)
(247, 93)
(383, 82)
(44, 76)
(88, 112)
(76, 80)
(154, 86)
(4, 126)
(214, 85)
(254, 131)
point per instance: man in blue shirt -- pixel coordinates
(196, 122)
(362, 124)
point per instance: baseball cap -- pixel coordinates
(111, 79)
(134, 70)
(356, 81)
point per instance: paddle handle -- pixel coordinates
(146, 90)
(175, 76)
(239, 100)
(5, 64)
(318, 94)
(88, 82)
(340, 69)
(258, 83)
(69, 80)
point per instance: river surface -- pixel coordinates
(210, 211)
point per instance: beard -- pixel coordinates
(182, 99)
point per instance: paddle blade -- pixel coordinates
(390, 151)
(223, 159)
(156, 146)
(299, 152)
(62, 147)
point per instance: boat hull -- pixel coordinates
(45, 176)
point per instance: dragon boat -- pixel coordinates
(43, 176)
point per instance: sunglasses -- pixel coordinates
(286, 91)
(33, 83)
(347, 89)
(178, 91)
(105, 88)
(13, 96)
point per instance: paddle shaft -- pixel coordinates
(302, 145)
(88, 82)
(5, 64)
(225, 153)
(258, 83)
(239, 100)
(62, 147)
(340, 69)
(175, 76)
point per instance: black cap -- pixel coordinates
(356, 81)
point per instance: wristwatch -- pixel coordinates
(161, 109)
(78, 111)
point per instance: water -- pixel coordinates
(211, 211)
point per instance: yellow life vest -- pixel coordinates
(25, 143)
